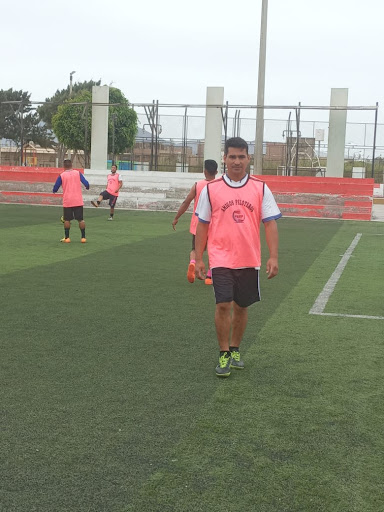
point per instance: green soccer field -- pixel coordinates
(109, 399)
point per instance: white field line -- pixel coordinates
(349, 316)
(322, 299)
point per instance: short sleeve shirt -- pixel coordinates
(269, 208)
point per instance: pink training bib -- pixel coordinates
(194, 220)
(234, 230)
(71, 184)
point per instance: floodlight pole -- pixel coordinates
(258, 157)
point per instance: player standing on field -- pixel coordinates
(210, 171)
(114, 184)
(70, 180)
(230, 210)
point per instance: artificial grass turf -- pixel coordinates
(300, 430)
(360, 288)
(109, 396)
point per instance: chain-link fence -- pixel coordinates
(171, 138)
(291, 145)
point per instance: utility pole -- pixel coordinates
(70, 82)
(258, 157)
(374, 142)
(70, 95)
(114, 116)
(21, 134)
(86, 152)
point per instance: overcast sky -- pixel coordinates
(172, 50)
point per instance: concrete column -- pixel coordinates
(336, 134)
(99, 136)
(213, 125)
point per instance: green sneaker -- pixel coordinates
(236, 362)
(223, 369)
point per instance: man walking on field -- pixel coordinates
(210, 171)
(70, 180)
(230, 210)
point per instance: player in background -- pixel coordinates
(210, 171)
(230, 211)
(70, 180)
(114, 184)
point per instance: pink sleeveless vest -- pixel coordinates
(113, 183)
(234, 230)
(194, 220)
(71, 184)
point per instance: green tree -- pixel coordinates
(51, 105)
(72, 123)
(122, 123)
(20, 122)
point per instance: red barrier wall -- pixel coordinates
(300, 196)
(318, 185)
(308, 196)
(30, 174)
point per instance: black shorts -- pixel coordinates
(112, 199)
(73, 212)
(239, 285)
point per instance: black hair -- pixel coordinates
(235, 142)
(67, 164)
(210, 166)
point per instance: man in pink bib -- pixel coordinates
(230, 210)
(210, 171)
(111, 193)
(71, 180)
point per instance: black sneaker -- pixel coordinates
(223, 369)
